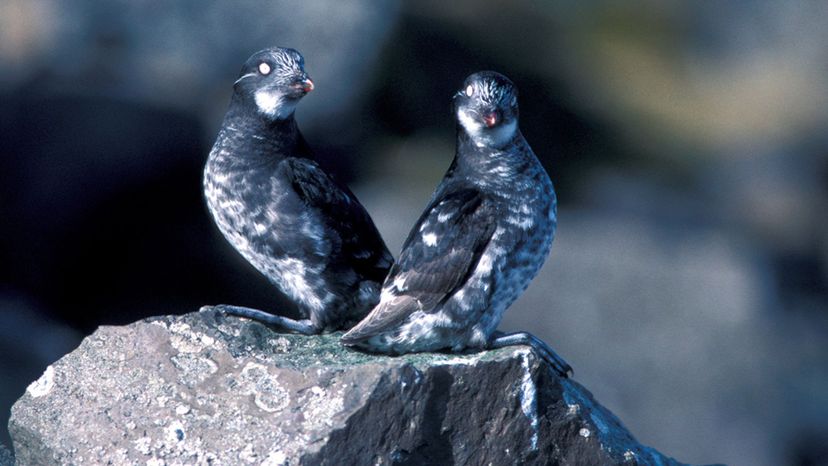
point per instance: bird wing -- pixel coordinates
(438, 257)
(343, 213)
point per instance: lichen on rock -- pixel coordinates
(205, 388)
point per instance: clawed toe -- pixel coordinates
(561, 367)
(541, 349)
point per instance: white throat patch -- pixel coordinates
(481, 136)
(274, 105)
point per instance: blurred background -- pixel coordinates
(688, 283)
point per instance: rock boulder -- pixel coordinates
(203, 388)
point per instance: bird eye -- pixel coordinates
(469, 90)
(264, 68)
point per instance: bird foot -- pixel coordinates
(560, 366)
(304, 326)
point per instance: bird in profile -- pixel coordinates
(292, 221)
(482, 238)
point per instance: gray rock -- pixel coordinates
(207, 389)
(6, 457)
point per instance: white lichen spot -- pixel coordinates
(430, 239)
(248, 455)
(280, 344)
(572, 409)
(156, 462)
(159, 323)
(43, 385)
(179, 327)
(267, 393)
(458, 361)
(193, 369)
(174, 432)
(182, 409)
(320, 407)
(275, 458)
(529, 398)
(230, 330)
(142, 445)
(584, 432)
(185, 340)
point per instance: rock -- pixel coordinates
(203, 388)
(6, 457)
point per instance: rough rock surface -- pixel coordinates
(203, 388)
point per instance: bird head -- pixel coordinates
(486, 108)
(275, 79)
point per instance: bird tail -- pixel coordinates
(383, 318)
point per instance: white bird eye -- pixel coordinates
(469, 90)
(264, 68)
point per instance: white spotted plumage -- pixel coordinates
(288, 218)
(483, 237)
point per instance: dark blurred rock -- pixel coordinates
(6, 457)
(204, 388)
(163, 56)
(101, 191)
(28, 342)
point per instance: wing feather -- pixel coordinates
(441, 252)
(342, 212)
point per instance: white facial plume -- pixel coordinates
(273, 104)
(482, 136)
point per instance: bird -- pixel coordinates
(482, 238)
(294, 222)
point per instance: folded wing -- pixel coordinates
(440, 254)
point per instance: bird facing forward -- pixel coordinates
(287, 217)
(482, 238)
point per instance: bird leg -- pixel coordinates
(304, 326)
(501, 340)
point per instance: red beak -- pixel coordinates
(490, 119)
(307, 85)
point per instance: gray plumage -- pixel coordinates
(482, 238)
(293, 222)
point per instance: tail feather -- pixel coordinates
(383, 318)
